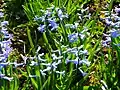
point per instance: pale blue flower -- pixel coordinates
(42, 72)
(72, 26)
(84, 52)
(18, 64)
(2, 65)
(60, 14)
(62, 73)
(117, 24)
(2, 58)
(8, 36)
(48, 13)
(4, 31)
(5, 44)
(4, 23)
(39, 57)
(81, 35)
(6, 49)
(115, 34)
(47, 69)
(2, 76)
(41, 28)
(73, 37)
(33, 63)
(52, 24)
(55, 57)
(1, 14)
(108, 22)
(104, 44)
(50, 66)
(42, 18)
(76, 61)
(24, 58)
(83, 73)
(7, 78)
(117, 10)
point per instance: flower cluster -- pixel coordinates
(112, 19)
(72, 26)
(106, 42)
(5, 77)
(77, 51)
(50, 66)
(5, 44)
(56, 60)
(84, 14)
(113, 22)
(75, 36)
(50, 18)
(5, 48)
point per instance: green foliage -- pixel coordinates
(48, 55)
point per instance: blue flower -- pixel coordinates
(6, 49)
(117, 10)
(60, 14)
(41, 28)
(73, 37)
(2, 58)
(17, 64)
(84, 52)
(72, 26)
(4, 23)
(48, 13)
(104, 44)
(24, 58)
(52, 24)
(108, 22)
(42, 18)
(83, 73)
(33, 63)
(81, 35)
(7, 78)
(62, 73)
(1, 14)
(4, 30)
(117, 24)
(2, 75)
(3, 65)
(8, 36)
(76, 62)
(115, 34)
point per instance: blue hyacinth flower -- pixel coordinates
(41, 28)
(52, 24)
(73, 37)
(4, 23)
(1, 14)
(115, 34)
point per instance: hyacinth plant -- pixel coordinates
(64, 46)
